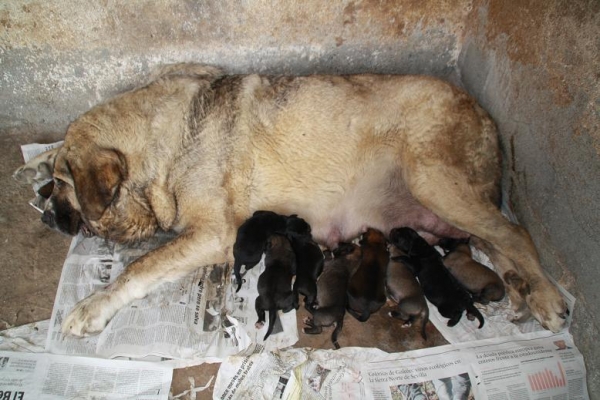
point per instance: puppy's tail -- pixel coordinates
(472, 310)
(238, 277)
(338, 328)
(272, 319)
(424, 319)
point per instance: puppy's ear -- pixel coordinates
(97, 180)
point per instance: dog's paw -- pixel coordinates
(259, 324)
(547, 306)
(90, 315)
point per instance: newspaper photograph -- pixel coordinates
(539, 365)
(47, 377)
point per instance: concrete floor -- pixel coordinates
(33, 258)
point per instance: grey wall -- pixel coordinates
(60, 58)
(534, 64)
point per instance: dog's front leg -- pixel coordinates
(170, 262)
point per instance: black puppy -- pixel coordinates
(366, 290)
(253, 233)
(309, 265)
(330, 306)
(275, 283)
(439, 286)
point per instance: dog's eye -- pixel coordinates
(59, 182)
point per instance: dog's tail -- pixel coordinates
(424, 319)
(272, 319)
(472, 310)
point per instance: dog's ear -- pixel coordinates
(97, 180)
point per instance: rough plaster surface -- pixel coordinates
(533, 64)
(535, 67)
(60, 58)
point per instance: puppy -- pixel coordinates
(330, 306)
(309, 265)
(404, 290)
(254, 232)
(483, 283)
(439, 286)
(275, 283)
(366, 291)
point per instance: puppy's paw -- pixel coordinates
(547, 306)
(259, 324)
(90, 315)
(307, 320)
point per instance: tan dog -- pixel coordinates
(196, 151)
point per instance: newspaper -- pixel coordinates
(199, 317)
(47, 377)
(539, 365)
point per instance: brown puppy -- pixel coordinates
(404, 290)
(275, 283)
(483, 283)
(366, 290)
(197, 151)
(331, 291)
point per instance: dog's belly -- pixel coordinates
(378, 199)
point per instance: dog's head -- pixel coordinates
(88, 194)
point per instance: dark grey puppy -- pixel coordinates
(439, 286)
(309, 265)
(332, 285)
(483, 283)
(275, 283)
(366, 290)
(403, 289)
(253, 233)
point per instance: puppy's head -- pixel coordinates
(373, 236)
(86, 181)
(296, 226)
(410, 242)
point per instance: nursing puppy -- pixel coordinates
(253, 234)
(309, 265)
(275, 283)
(404, 290)
(483, 283)
(196, 151)
(332, 285)
(366, 290)
(439, 286)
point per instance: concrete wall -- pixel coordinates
(60, 58)
(533, 64)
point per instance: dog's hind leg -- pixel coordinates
(449, 194)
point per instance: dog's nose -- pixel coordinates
(48, 218)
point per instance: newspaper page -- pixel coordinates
(48, 377)
(540, 365)
(30, 151)
(199, 317)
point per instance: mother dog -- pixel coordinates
(196, 151)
